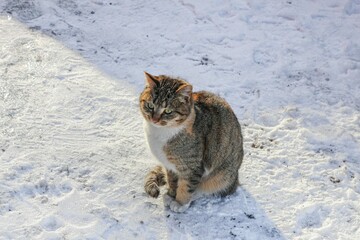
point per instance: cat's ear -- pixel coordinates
(186, 91)
(151, 81)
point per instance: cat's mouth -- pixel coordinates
(157, 123)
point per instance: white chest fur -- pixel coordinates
(157, 137)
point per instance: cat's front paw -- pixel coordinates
(174, 205)
(152, 189)
(177, 207)
(167, 200)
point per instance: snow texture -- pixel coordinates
(72, 149)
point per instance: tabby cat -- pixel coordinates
(197, 138)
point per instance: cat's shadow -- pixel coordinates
(238, 216)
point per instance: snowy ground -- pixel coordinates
(72, 149)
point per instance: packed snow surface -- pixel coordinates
(72, 149)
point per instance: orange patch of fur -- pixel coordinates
(172, 183)
(145, 96)
(182, 194)
(195, 97)
(214, 184)
(171, 158)
(190, 122)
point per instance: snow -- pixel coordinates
(72, 149)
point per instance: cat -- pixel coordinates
(197, 138)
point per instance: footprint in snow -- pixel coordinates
(353, 50)
(23, 10)
(264, 57)
(51, 223)
(352, 7)
(312, 217)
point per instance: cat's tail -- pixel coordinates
(154, 180)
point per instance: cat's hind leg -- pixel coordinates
(221, 183)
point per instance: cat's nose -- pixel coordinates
(155, 119)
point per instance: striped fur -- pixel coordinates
(153, 180)
(205, 148)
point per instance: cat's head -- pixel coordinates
(166, 101)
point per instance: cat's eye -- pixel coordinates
(150, 105)
(168, 111)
